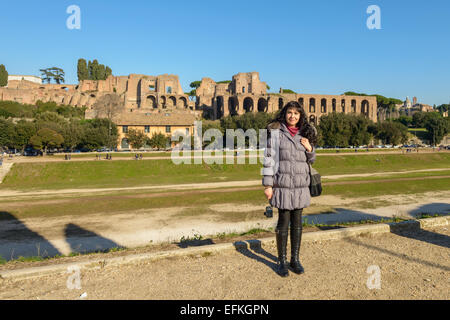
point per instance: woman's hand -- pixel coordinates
(306, 144)
(268, 192)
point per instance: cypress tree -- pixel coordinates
(3, 76)
(90, 70)
(108, 72)
(82, 70)
(101, 72)
(95, 70)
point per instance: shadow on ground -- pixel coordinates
(85, 241)
(17, 240)
(413, 232)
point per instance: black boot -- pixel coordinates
(296, 237)
(282, 267)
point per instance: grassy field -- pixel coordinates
(101, 174)
(92, 155)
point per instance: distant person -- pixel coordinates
(288, 188)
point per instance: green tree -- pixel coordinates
(359, 125)
(72, 133)
(50, 120)
(159, 141)
(82, 70)
(390, 132)
(36, 142)
(23, 131)
(437, 127)
(108, 72)
(58, 75)
(6, 133)
(195, 84)
(136, 138)
(90, 70)
(405, 120)
(335, 130)
(46, 75)
(55, 73)
(93, 70)
(48, 139)
(3, 76)
(101, 72)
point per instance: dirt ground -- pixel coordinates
(408, 265)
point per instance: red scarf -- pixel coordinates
(292, 130)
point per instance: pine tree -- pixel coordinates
(3, 76)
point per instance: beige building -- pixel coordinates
(246, 93)
(166, 123)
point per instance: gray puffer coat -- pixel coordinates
(286, 168)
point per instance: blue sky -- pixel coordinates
(321, 47)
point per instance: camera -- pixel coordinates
(269, 212)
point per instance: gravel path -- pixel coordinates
(412, 266)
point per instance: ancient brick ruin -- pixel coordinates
(246, 93)
(147, 95)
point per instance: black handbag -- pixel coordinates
(315, 185)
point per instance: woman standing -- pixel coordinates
(288, 187)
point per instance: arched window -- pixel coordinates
(312, 105)
(323, 106)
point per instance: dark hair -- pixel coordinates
(305, 129)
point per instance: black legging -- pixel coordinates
(294, 216)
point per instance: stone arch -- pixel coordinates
(233, 105)
(280, 103)
(92, 95)
(343, 105)
(312, 105)
(124, 144)
(323, 105)
(312, 119)
(263, 105)
(301, 102)
(171, 102)
(150, 102)
(333, 105)
(163, 102)
(353, 106)
(248, 104)
(182, 102)
(365, 107)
